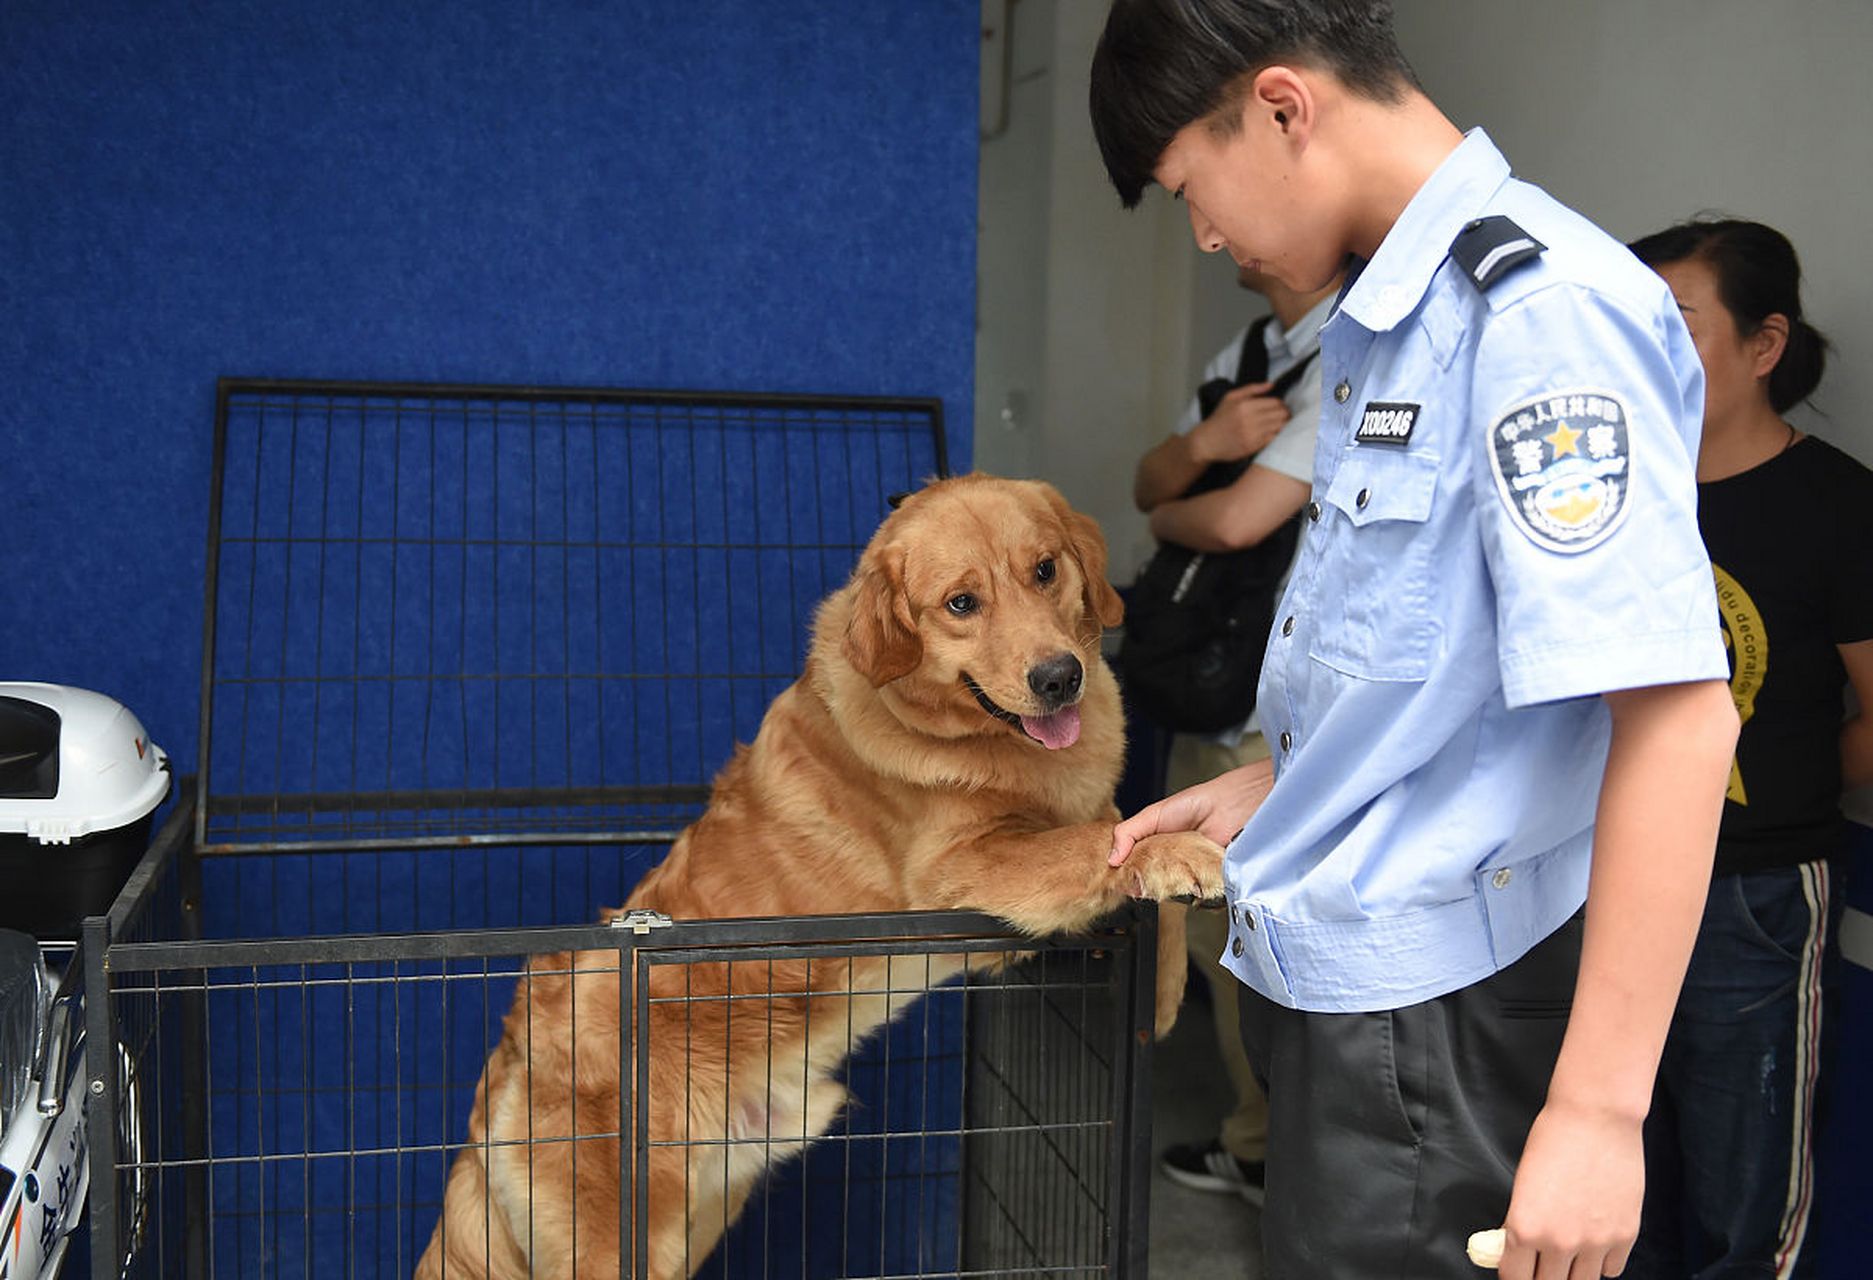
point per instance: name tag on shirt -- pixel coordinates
(1387, 422)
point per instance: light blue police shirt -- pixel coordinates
(1503, 526)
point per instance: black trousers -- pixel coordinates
(1393, 1136)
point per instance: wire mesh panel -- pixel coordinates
(949, 1148)
(447, 613)
(982, 1131)
(1051, 1067)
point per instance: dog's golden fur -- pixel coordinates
(877, 782)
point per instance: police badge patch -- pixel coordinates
(1563, 464)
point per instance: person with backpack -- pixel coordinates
(1253, 417)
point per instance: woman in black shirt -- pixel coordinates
(1788, 521)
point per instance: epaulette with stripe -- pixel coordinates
(1489, 248)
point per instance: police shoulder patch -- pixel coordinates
(1563, 464)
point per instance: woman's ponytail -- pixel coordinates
(1798, 372)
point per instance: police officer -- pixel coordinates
(1496, 687)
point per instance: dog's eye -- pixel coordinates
(1044, 571)
(962, 606)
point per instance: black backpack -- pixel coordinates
(1197, 623)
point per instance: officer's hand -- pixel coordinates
(1217, 808)
(1243, 423)
(1574, 1210)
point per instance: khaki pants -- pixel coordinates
(1244, 1132)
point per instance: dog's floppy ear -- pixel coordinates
(1088, 546)
(881, 640)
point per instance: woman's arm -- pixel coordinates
(1856, 736)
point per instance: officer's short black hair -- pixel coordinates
(1164, 64)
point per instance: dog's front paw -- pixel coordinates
(1175, 866)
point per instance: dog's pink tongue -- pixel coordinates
(1061, 729)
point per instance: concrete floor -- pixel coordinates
(1195, 1235)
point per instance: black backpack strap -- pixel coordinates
(1489, 248)
(1252, 366)
(1220, 475)
(1291, 375)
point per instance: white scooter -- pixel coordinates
(44, 1169)
(79, 783)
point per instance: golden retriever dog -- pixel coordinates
(953, 742)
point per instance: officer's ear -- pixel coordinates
(1282, 98)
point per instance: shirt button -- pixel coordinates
(1313, 512)
(1287, 742)
(1235, 916)
(1287, 626)
(1501, 879)
(1343, 392)
(1248, 921)
(1365, 496)
(1235, 946)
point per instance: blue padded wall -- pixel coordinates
(722, 194)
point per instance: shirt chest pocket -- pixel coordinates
(1373, 589)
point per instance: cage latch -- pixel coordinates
(641, 922)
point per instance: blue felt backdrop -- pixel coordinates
(725, 194)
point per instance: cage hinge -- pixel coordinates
(641, 922)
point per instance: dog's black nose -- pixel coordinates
(1057, 680)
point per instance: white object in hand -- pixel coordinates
(1485, 1247)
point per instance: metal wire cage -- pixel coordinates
(440, 615)
(472, 656)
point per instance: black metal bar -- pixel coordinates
(456, 797)
(408, 540)
(777, 947)
(429, 626)
(396, 1102)
(663, 590)
(598, 836)
(866, 934)
(207, 778)
(102, 1081)
(305, 1119)
(194, 1017)
(357, 635)
(396, 567)
(128, 908)
(965, 1198)
(496, 393)
(938, 438)
(1130, 1195)
(598, 596)
(211, 579)
(695, 593)
(286, 611)
(638, 1144)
